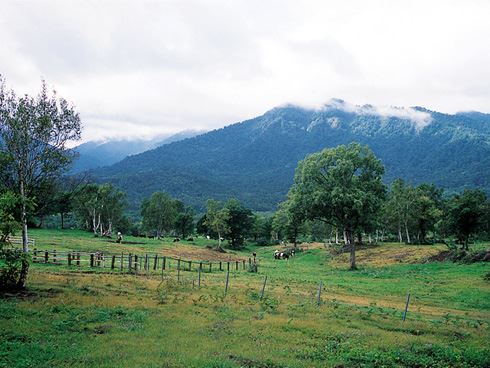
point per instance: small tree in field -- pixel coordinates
(466, 214)
(34, 132)
(217, 219)
(159, 213)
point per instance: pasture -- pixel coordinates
(82, 317)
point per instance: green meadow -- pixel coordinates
(83, 317)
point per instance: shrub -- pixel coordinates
(12, 261)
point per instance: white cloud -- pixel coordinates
(137, 68)
(420, 119)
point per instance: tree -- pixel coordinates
(466, 214)
(341, 186)
(34, 133)
(217, 219)
(427, 209)
(159, 213)
(8, 223)
(289, 219)
(100, 208)
(184, 223)
(240, 222)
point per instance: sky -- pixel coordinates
(137, 69)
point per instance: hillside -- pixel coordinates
(255, 160)
(94, 154)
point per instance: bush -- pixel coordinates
(12, 261)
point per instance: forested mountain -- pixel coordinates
(94, 154)
(255, 160)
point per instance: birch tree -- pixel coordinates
(34, 132)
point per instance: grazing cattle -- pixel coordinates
(190, 239)
(176, 240)
(208, 237)
(283, 255)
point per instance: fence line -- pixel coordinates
(133, 263)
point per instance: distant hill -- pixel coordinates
(94, 154)
(255, 160)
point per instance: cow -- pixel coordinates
(176, 240)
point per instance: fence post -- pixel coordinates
(69, 259)
(406, 308)
(221, 269)
(236, 269)
(136, 264)
(78, 258)
(199, 277)
(113, 262)
(121, 266)
(228, 266)
(164, 261)
(46, 256)
(263, 288)
(190, 265)
(319, 293)
(130, 262)
(91, 260)
(249, 262)
(200, 265)
(243, 264)
(54, 255)
(178, 270)
(210, 266)
(34, 259)
(227, 280)
(155, 262)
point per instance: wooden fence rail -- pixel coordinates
(132, 263)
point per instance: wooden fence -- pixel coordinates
(18, 240)
(134, 263)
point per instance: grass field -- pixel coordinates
(80, 318)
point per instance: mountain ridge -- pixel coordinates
(254, 160)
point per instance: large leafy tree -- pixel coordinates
(184, 222)
(159, 213)
(240, 222)
(467, 214)
(34, 132)
(341, 186)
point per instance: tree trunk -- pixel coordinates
(62, 220)
(408, 234)
(400, 237)
(346, 241)
(336, 236)
(21, 282)
(25, 239)
(350, 241)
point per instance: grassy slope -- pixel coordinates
(79, 319)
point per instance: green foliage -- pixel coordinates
(239, 223)
(8, 223)
(466, 214)
(184, 222)
(12, 262)
(341, 186)
(159, 213)
(217, 218)
(100, 208)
